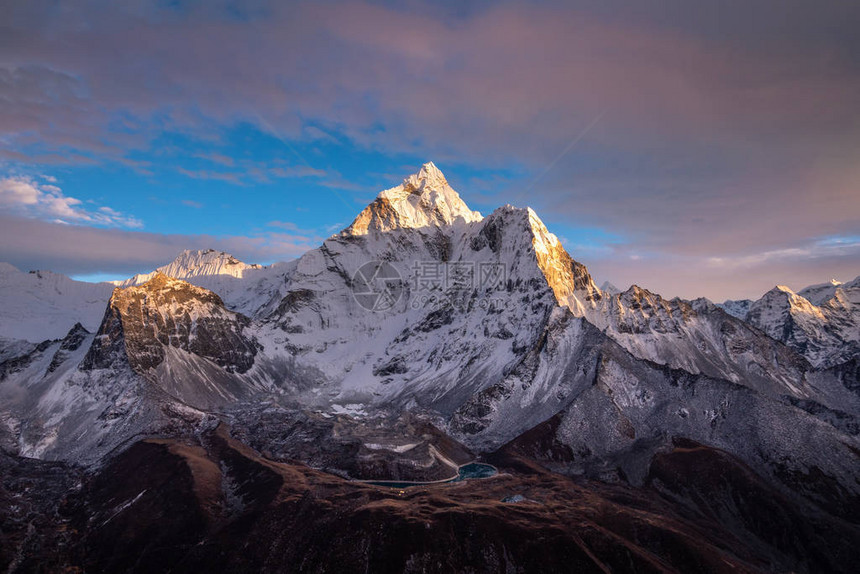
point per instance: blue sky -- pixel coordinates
(692, 150)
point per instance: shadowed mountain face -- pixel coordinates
(223, 417)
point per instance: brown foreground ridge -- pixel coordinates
(212, 503)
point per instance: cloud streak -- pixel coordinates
(729, 276)
(81, 250)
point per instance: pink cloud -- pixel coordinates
(719, 134)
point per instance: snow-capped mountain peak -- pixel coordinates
(247, 288)
(486, 327)
(194, 263)
(821, 292)
(610, 289)
(786, 296)
(424, 199)
(820, 321)
(428, 176)
(208, 262)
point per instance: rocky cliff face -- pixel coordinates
(142, 322)
(181, 339)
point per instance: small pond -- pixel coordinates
(476, 470)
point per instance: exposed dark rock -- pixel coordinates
(141, 322)
(71, 342)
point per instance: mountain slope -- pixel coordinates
(41, 305)
(165, 353)
(614, 413)
(211, 503)
(469, 303)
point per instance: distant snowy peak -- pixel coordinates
(736, 308)
(783, 300)
(818, 294)
(825, 334)
(424, 199)
(251, 289)
(801, 301)
(209, 262)
(609, 288)
(196, 263)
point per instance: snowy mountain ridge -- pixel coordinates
(42, 305)
(820, 321)
(821, 292)
(195, 263)
(424, 336)
(250, 289)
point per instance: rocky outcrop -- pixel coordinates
(71, 342)
(142, 322)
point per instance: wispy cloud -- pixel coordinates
(217, 158)
(247, 172)
(211, 175)
(288, 225)
(31, 198)
(296, 171)
(305, 234)
(824, 248)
